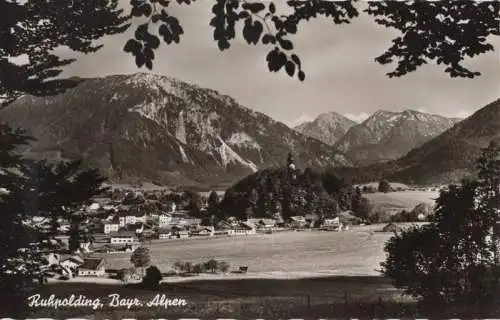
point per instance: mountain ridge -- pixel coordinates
(157, 128)
(388, 135)
(327, 127)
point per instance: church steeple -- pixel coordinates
(290, 165)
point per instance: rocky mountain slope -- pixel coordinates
(447, 158)
(386, 136)
(327, 127)
(146, 127)
(452, 155)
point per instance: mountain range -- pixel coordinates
(327, 127)
(449, 157)
(146, 127)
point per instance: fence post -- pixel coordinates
(308, 301)
(345, 297)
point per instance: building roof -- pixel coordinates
(92, 263)
(164, 230)
(123, 234)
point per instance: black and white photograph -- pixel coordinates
(247, 159)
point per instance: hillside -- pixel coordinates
(327, 127)
(452, 155)
(146, 127)
(386, 136)
(447, 158)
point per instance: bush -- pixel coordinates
(198, 268)
(223, 266)
(211, 265)
(384, 186)
(152, 278)
(124, 274)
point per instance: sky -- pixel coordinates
(341, 74)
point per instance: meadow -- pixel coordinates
(401, 200)
(284, 254)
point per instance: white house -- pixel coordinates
(122, 237)
(109, 227)
(92, 267)
(164, 233)
(332, 224)
(204, 231)
(245, 228)
(165, 219)
(72, 262)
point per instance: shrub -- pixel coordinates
(211, 265)
(198, 268)
(223, 266)
(152, 278)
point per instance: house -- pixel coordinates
(92, 267)
(165, 219)
(224, 227)
(297, 222)
(72, 262)
(110, 226)
(165, 233)
(266, 224)
(122, 237)
(182, 234)
(332, 224)
(204, 231)
(245, 228)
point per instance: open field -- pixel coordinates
(306, 253)
(401, 200)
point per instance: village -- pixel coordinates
(114, 227)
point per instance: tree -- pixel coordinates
(58, 190)
(213, 203)
(152, 278)
(211, 265)
(454, 258)
(384, 186)
(430, 32)
(35, 188)
(193, 202)
(253, 200)
(34, 28)
(362, 208)
(140, 258)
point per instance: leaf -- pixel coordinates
(285, 44)
(247, 30)
(272, 8)
(139, 60)
(301, 75)
(132, 45)
(153, 42)
(295, 59)
(149, 64)
(149, 53)
(257, 31)
(243, 15)
(254, 7)
(267, 38)
(290, 68)
(141, 32)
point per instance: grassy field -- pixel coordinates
(349, 285)
(354, 252)
(401, 200)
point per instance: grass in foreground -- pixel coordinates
(335, 297)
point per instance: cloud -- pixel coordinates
(357, 117)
